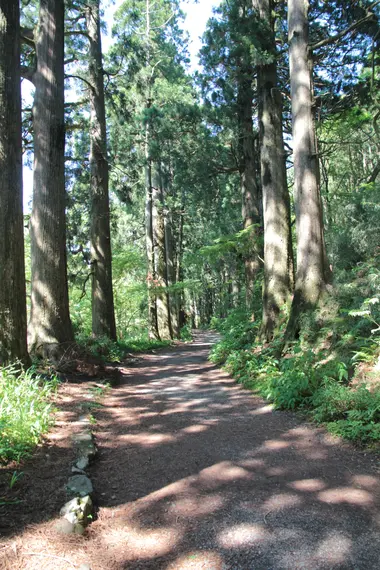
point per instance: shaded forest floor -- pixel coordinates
(194, 472)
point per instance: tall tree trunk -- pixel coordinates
(179, 267)
(12, 270)
(171, 274)
(248, 181)
(278, 254)
(49, 320)
(103, 313)
(149, 200)
(312, 269)
(162, 297)
(150, 252)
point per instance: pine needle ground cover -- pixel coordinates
(25, 411)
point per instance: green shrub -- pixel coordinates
(313, 379)
(185, 333)
(25, 410)
(116, 351)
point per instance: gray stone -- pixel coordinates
(80, 485)
(78, 510)
(84, 567)
(76, 470)
(84, 419)
(82, 437)
(82, 463)
(84, 442)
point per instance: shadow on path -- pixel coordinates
(194, 472)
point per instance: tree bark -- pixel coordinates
(150, 252)
(103, 313)
(248, 181)
(278, 254)
(171, 274)
(50, 323)
(312, 268)
(13, 345)
(162, 297)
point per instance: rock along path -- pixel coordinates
(196, 473)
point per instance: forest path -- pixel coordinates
(196, 473)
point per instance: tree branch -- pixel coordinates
(81, 78)
(27, 37)
(333, 39)
(77, 33)
(374, 175)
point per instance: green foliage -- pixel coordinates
(186, 334)
(111, 351)
(25, 411)
(315, 380)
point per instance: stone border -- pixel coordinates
(77, 513)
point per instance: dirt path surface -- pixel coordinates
(196, 473)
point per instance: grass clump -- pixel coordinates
(25, 411)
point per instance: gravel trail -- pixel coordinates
(196, 473)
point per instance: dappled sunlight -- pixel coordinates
(198, 559)
(307, 485)
(281, 501)
(195, 506)
(146, 439)
(243, 535)
(225, 472)
(137, 543)
(275, 444)
(348, 495)
(334, 549)
(195, 472)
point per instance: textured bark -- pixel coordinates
(311, 274)
(103, 313)
(171, 274)
(248, 182)
(49, 320)
(150, 253)
(162, 297)
(149, 206)
(278, 254)
(12, 271)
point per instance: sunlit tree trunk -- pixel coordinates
(150, 251)
(162, 297)
(312, 268)
(248, 182)
(103, 314)
(49, 320)
(171, 274)
(278, 255)
(12, 270)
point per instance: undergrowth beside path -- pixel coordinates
(25, 410)
(321, 377)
